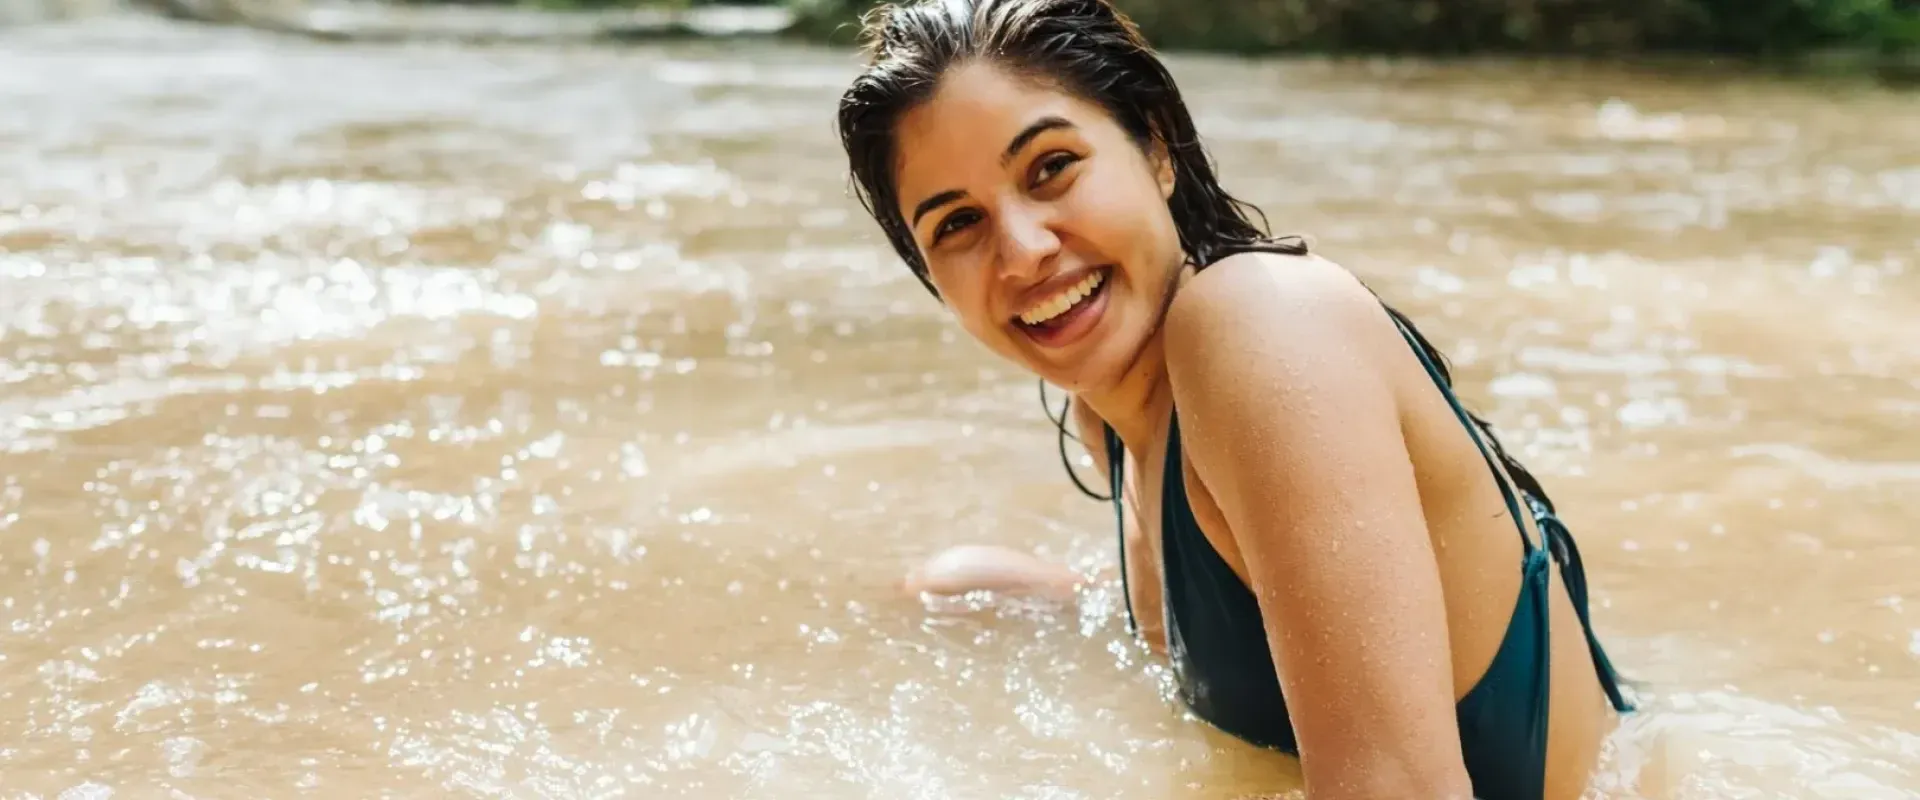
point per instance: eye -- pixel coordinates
(954, 223)
(1046, 168)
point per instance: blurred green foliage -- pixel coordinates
(1748, 27)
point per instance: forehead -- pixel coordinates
(966, 125)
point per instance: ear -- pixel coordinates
(1162, 163)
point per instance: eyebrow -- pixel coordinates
(1014, 146)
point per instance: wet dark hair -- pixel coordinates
(1087, 48)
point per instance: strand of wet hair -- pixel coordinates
(1060, 425)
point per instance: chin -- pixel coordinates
(1097, 370)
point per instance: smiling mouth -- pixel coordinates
(1062, 306)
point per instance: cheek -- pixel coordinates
(1127, 220)
(965, 300)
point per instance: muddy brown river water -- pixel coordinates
(387, 421)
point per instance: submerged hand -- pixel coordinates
(969, 568)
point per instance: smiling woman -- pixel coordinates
(989, 227)
(1337, 558)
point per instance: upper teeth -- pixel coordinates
(1059, 303)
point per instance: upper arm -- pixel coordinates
(1290, 419)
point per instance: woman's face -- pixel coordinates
(1042, 222)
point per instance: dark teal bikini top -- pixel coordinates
(1218, 644)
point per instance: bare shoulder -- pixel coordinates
(1274, 303)
(1287, 408)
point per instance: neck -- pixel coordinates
(1140, 402)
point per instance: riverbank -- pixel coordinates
(1774, 28)
(1821, 36)
(471, 23)
(1828, 36)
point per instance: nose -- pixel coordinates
(1028, 241)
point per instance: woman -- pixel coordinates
(1338, 559)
